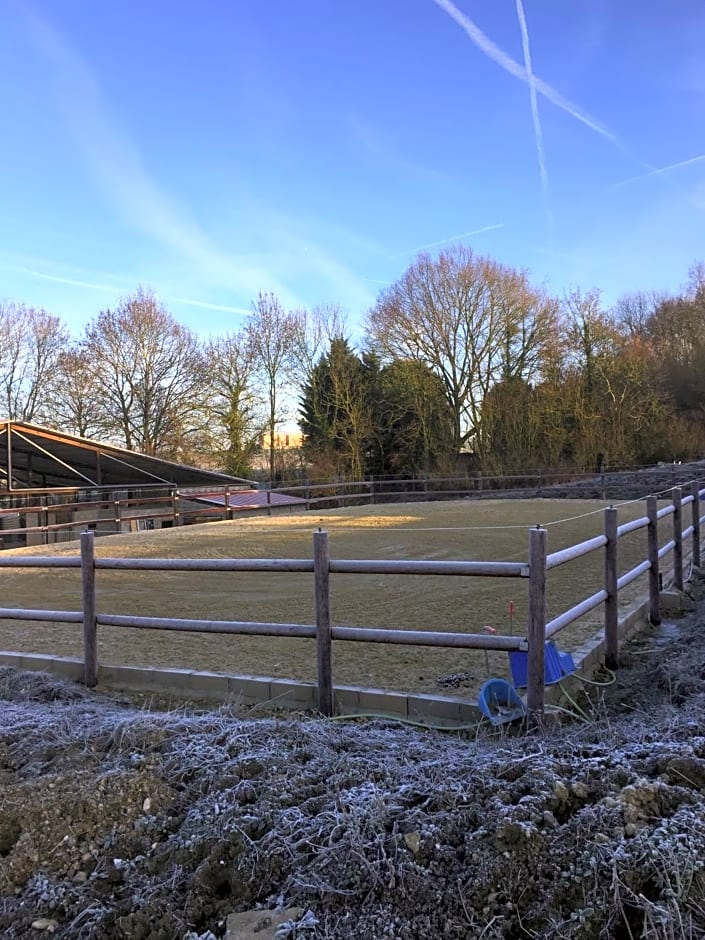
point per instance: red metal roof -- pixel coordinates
(250, 499)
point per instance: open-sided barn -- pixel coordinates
(53, 484)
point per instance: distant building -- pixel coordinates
(283, 440)
(53, 485)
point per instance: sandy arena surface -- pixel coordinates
(463, 530)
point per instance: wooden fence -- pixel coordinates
(102, 509)
(169, 505)
(321, 565)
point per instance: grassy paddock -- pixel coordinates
(494, 530)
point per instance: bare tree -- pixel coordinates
(610, 378)
(272, 335)
(235, 410)
(471, 320)
(149, 372)
(31, 342)
(695, 289)
(315, 329)
(74, 401)
(634, 311)
(591, 334)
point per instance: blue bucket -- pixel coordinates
(500, 702)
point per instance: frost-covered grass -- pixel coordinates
(120, 822)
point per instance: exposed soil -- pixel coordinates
(119, 822)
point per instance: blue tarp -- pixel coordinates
(558, 665)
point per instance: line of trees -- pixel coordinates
(461, 354)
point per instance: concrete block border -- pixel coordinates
(591, 654)
(250, 691)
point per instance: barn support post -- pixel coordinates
(695, 490)
(611, 605)
(90, 632)
(324, 646)
(678, 538)
(652, 554)
(536, 633)
(9, 456)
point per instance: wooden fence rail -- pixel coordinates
(167, 504)
(321, 565)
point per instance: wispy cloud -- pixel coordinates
(116, 167)
(661, 171)
(454, 238)
(135, 195)
(384, 150)
(510, 65)
(538, 131)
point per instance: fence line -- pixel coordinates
(321, 565)
(169, 505)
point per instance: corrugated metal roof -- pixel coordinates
(43, 458)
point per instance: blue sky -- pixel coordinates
(213, 150)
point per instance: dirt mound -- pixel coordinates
(628, 484)
(118, 822)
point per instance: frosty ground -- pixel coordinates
(118, 821)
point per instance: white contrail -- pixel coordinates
(538, 131)
(117, 291)
(660, 171)
(69, 281)
(206, 306)
(492, 51)
(455, 238)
